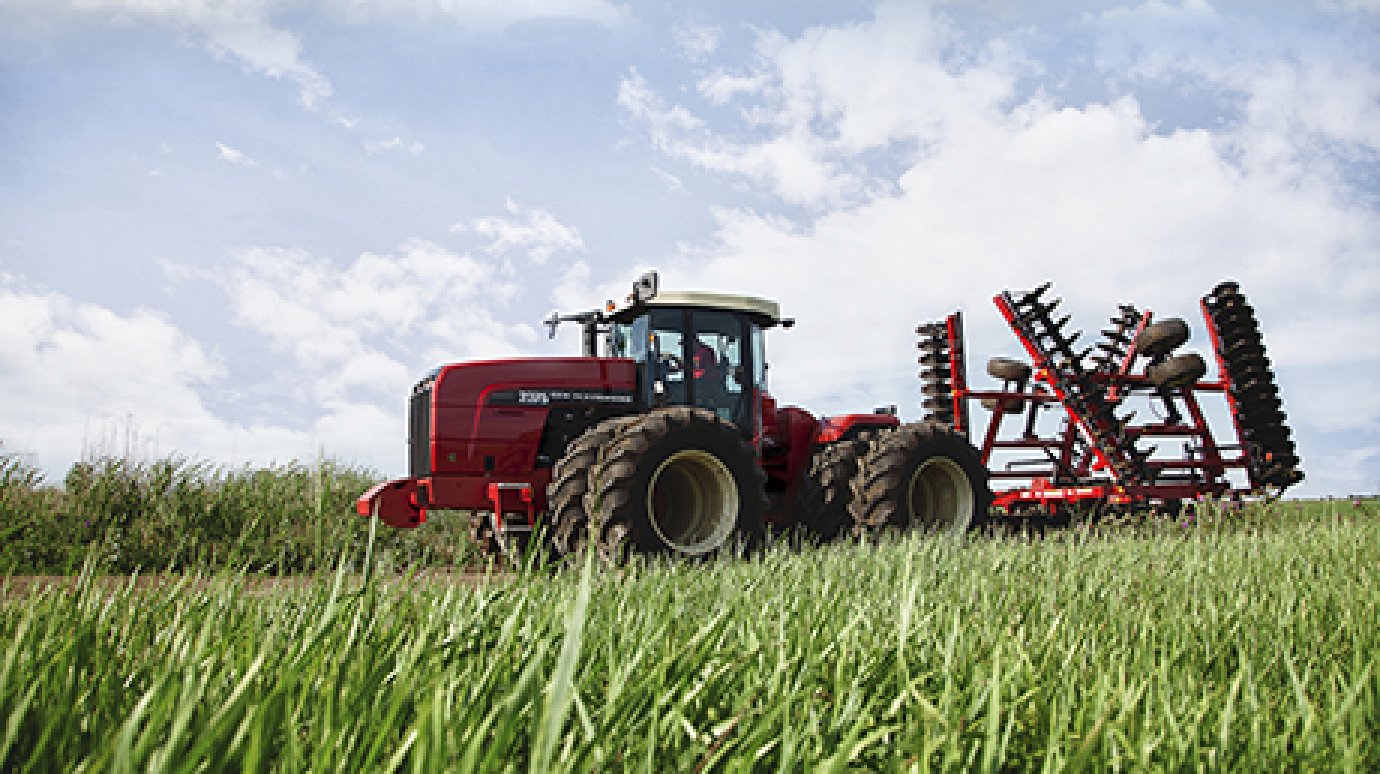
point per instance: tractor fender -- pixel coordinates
(844, 426)
(394, 502)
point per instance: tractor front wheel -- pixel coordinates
(924, 476)
(570, 482)
(678, 481)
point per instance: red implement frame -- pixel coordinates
(1095, 457)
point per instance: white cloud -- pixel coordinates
(820, 100)
(793, 165)
(349, 340)
(241, 30)
(374, 147)
(234, 155)
(346, 328)
(78, 375)
(697, 41)
(533, 231)
(1295, 95)
(672, 182)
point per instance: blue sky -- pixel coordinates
(240, 229)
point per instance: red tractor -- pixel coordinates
(668, 443)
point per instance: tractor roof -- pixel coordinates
(768, 311)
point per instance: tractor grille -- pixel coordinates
(419, 429)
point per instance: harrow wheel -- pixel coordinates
(1007, 369)
(1177, 371)
(678, 481)
(570, 481)
(1160, 338)
(1012, 406)
(921, 475)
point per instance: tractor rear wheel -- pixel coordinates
(678, 481)
(826, 490)
(922, 475)
(565, 494)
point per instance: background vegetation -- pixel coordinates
(127, 514)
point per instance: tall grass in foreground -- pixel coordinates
(1217, 646)
(128, 514)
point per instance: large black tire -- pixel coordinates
(1007, 369)
(565, 495)
(677, 481)
(921, 475)
(826, 490)
(1160, 338)
(1177, 371)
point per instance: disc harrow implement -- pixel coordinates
(1101, 453)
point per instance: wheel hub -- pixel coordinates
(692, 502)
(940, 496)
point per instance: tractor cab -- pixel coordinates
(697, 349)
(692, 348)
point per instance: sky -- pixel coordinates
(240, 230)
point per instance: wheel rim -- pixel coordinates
(940, 495)
(692, 502)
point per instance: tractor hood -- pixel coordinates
(488, 416)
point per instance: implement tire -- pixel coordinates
(1012, 406)
(678, 481)
(1162, 337)
(1007, 369)
(923, 476)
(565, 495)
(1178, 371)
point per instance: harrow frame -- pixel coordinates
(1098, 457)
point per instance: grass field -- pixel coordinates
(127, 515)
(1239, 641)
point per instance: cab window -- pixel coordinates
(718, 367)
